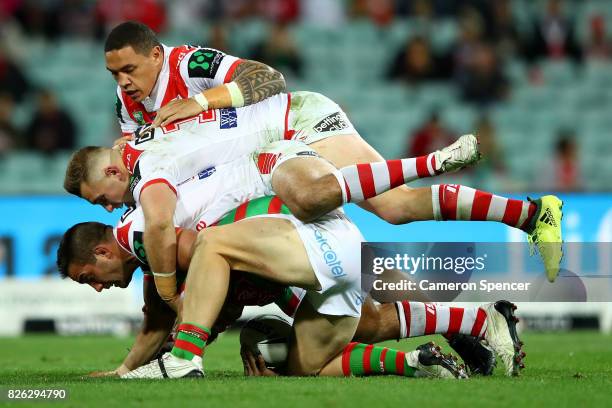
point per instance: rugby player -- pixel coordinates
(216, 191)
(185, 81)
(156, 82)
(90, 254)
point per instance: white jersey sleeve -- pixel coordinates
(205, 68)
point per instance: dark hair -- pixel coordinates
(77, 170)
(131, 34)
(78, 243)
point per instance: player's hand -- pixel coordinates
(175, 110)
(102, 374)
(122, 141)
(254, 366)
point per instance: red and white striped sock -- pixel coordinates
(457, 202)
(421, 319)
(366, 180)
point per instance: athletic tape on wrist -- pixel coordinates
(201, 100)
(235, 94)
(164, 275)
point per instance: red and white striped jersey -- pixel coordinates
(187, 70)
(179, 151)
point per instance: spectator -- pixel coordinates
(149, 12)
(51, 128)
(567, 169)
(279, 50)
(430, 137)
(12, 80)
(9, 136)
(502, 29)
(481, 80)
(380, 12)
(416, 63)
(554, 35)
(77, 18)
(599, 47)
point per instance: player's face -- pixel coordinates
(109, 191)
(108, 271)
(135, 73)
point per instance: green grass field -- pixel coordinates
(573, 369)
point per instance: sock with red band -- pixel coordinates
(366, 180)
(421, 319)
(360, 359)
(190, 341)
(457, 202)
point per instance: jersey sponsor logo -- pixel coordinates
(206, 173)
(204, 63)
(307, 153)
(228, 119)
(329, 255)
(139, 249)
(136, 177)
(139, 117)
(331, 122)
(144, 134)
(127, 212)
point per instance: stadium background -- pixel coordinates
(410, 74)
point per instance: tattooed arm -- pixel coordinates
(257, 81)
(251, 82)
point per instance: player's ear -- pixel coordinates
(102, 251)
(112, 170)
(156, 53)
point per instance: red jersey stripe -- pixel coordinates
(275, 205)
(157, 181)
(230, 71)
(241, 211)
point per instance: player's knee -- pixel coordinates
(315, 198)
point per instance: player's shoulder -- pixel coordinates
(129, 232)
(201, 61)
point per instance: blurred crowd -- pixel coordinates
(487, 36)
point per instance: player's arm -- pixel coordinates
(158, 322)
(158, 203)
(248, 82)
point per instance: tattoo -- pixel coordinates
(257, 81)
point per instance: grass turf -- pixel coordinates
(567, 369)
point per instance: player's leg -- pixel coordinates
(463, 327)
(311, 186)
(320, 346)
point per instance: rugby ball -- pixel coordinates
(269, 335)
